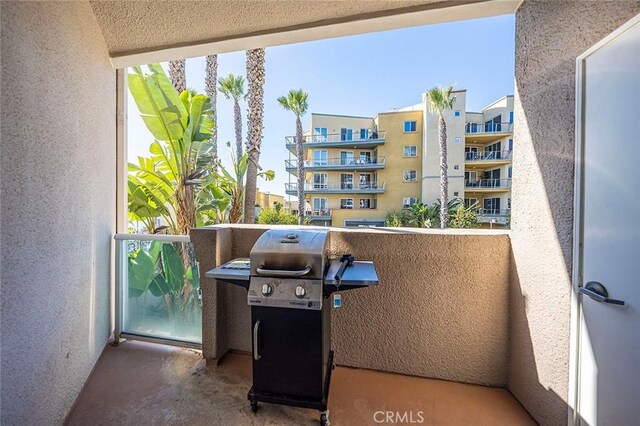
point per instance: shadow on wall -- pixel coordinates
(542, 402)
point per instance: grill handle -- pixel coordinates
(261, 270)
(256, 330)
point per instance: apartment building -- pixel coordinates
(358, 169)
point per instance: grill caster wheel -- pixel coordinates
(254, 406)
(324, 418)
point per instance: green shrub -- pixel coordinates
(269, 216)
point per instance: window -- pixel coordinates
(365, 180)
(346, 181)
(510, 116)
(408, 202)
(470, 153)
(320, 157)
(320, 134)
(456, 194)
(320, 181)
(320, 206)
(456, 140)
(470, 202)
(492, 152)
(471, 128)
(346, 134)
(509, 203)
(456, 167)
(410, 126)
(346, 203)
(410, 151)
(493, 125)
(365, 203)
(456, 113)
(364, 133)
(510, 144)
(410, 176)
(510, 172)
(492, 205)
(346, 158)
(365, 157)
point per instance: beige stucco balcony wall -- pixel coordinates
(440, 310)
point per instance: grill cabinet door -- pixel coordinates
(290, 346)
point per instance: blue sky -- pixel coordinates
(359, 75)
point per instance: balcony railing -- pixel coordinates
(487, 183)
(488, 128)
(338, 162)
(336, 187)
(492, 212)
(319, 213)
(487, 156)
(158, 289)
(339, 137)
(497, 216)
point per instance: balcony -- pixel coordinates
(338, 140)
(362, 164)
(485, 185)
(319, 214)
(336, 188)
(486, 132)
(488, 157)
(494, 216)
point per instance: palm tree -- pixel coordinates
(440, 101)
(232, 87)
(178, 75)
(297, 102)
(211, 89)
(255, 101)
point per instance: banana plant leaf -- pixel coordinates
(141, 272)
(193, 275)
(160, 107)
(172, 267)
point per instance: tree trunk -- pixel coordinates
(211, 89)
(300, 154)
(255, 83)
(178, 75)
(186, 209)
(444, 180)
(237, 115)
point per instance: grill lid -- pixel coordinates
(290, 253)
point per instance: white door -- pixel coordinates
(607, 387)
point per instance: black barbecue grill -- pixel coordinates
(290, 279)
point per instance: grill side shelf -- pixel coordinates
(360, 274)
(235, 272)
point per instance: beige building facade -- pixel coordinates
(359, 169)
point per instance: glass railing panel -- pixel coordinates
(158, 288)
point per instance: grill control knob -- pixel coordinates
(267, 289)
(300, 292)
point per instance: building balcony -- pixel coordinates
(488, 157)
(486, 185)
(322, 214)
(494, 216)
(486, 132)
(362, 164)
(338, 140)
(336, 188)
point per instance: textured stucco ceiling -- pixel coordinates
(130, 26)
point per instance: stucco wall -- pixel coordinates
(549, 37)
(58, 205)
(440, 310)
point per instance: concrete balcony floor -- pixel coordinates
(143, 383)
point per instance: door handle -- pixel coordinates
(256, 330)
(599, 293)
